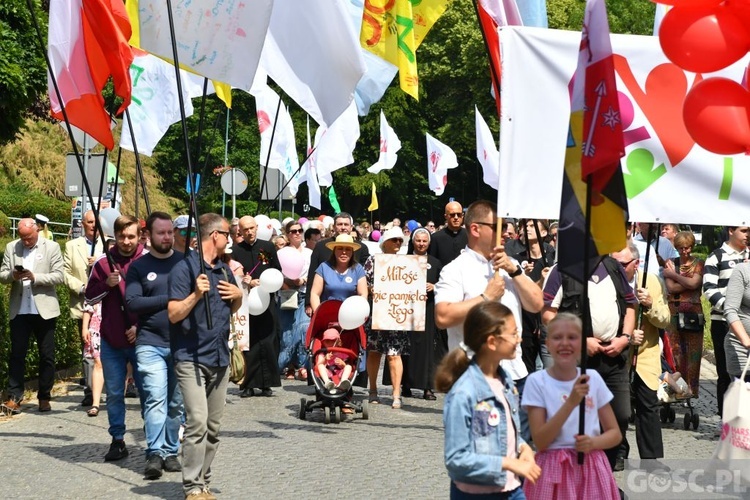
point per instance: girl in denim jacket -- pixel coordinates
(485, 455)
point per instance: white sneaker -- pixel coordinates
(344, 385)
(329, 385)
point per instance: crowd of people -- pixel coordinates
(502, 334)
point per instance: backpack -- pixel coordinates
(573, 290)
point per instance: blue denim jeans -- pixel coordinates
(162, 400)
(114, 364)
(293, 325)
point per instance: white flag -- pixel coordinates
(270, 109)
(155, 102)
(389, 146)
(222, 42)
(440, 158)
(313, 53)
(308, 173)
(334, 146)
(487, 152)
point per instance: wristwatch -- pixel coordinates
(517, 272)
(629, 337)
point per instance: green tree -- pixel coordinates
(23, 73)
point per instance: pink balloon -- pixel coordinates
(292, 262)
(375, 235)
(303, 220)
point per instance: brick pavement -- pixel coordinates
(266, 451)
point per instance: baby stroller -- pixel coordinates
(673, 389)
(352, 346)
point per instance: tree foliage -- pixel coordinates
(23, 74)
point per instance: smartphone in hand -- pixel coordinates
(20, 268)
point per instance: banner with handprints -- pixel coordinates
(399, 292)
(668, 177)
(239, 322)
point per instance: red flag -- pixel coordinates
(88, 43)
(493, 14)
(595, 93)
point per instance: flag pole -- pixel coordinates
(585, 307)
(138, 167)
(191, 179)
(268, 158)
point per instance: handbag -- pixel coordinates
(236, 364)
(734, 444)
(289, 300)
(691, 322)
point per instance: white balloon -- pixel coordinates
(327, 221)
(276, 224)
(265, 229)
(271, 280)
(353, 312)
(107, 219)
(257, 301)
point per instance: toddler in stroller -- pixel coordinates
(333, 367)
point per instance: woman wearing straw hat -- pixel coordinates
(341, 276)
(393, 344)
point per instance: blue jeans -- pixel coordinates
(114, 364)
(162, 400)
(293, 325)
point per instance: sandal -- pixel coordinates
(347, 411)
(374, 399)
(396, 405)
(301, 374)
(93, 411)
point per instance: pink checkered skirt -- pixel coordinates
(563, 479)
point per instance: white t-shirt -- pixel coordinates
(544, 391)
(466, 277)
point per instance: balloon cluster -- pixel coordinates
(259, 297)
(704, 36)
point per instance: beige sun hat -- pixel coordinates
(343, 240)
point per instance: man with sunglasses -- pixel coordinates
(181, 241)
(448, 243)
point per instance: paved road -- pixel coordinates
(266, 451)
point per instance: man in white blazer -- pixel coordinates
(78, 261)
(33, 266)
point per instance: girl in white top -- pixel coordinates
(552, 398)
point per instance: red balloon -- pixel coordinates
(716, 113)
(703, 38)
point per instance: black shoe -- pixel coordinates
(88, 400)
(406, 392)
(117, 451)
(247, 392)
(266, 392)
(619, 465)
(429, 395)
(131, 391)
(172, 464)
(154, 465)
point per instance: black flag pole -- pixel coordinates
(191, 179)
(585, 308)
(268, 156)
(138, 168)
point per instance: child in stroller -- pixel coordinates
(333, 367)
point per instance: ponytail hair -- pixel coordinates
(483, 320)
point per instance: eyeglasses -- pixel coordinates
(399, 240)
(626, 264)
(183, 233)
(225, 233)
(493, 225)
(457, 215)
(295, 231)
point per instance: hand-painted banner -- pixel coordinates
(240, 326)
(668, 177)
(399, 292)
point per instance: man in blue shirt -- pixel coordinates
(147, 294)
(200, 353)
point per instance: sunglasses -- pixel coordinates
(183, 233)
(626, 264)
(225, 233)
(295, 231)
(457, 215)
(399, 240)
